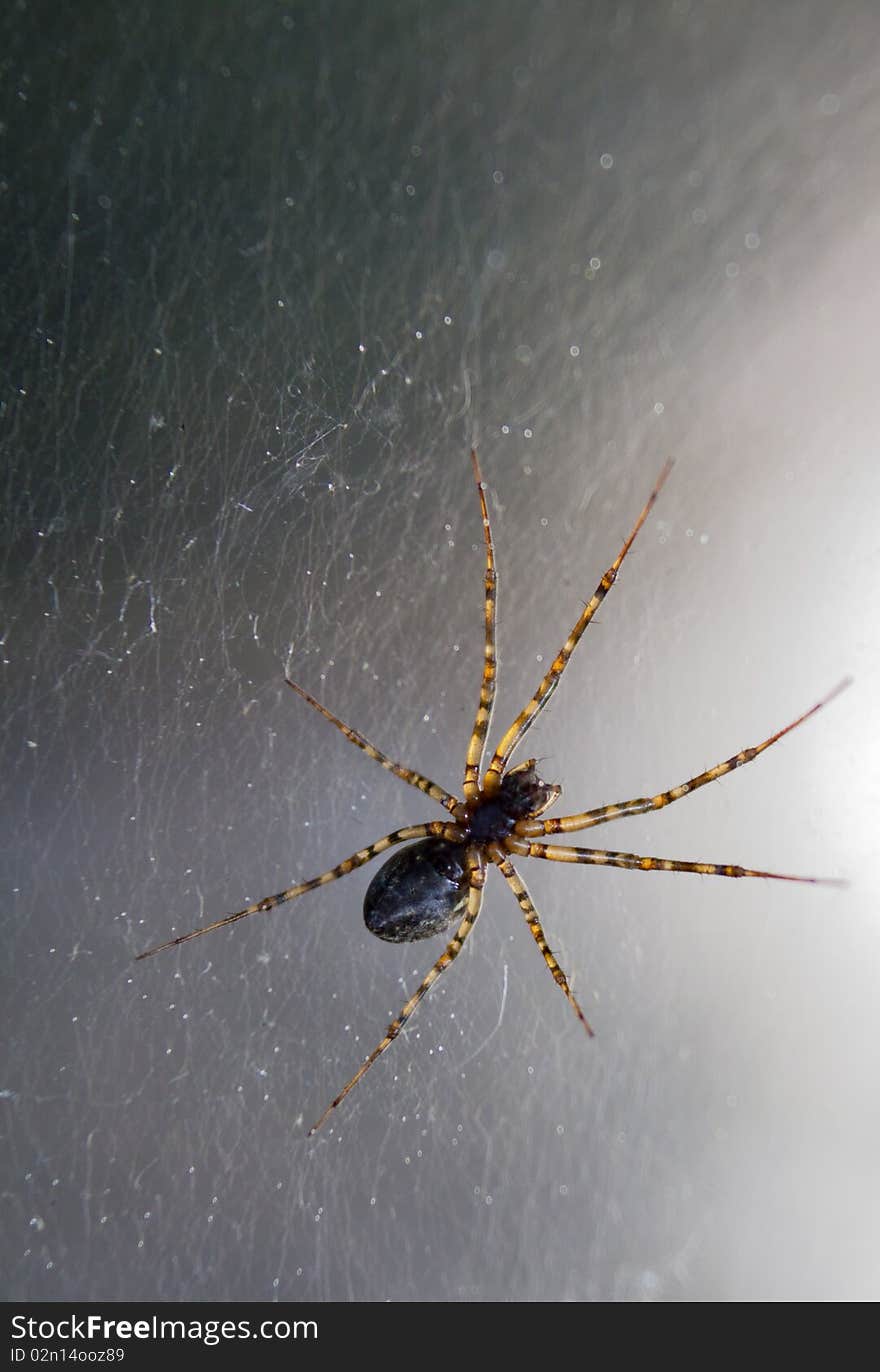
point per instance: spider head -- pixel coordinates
(523, 794)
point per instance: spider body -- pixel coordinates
(437, 882)
(423, 889)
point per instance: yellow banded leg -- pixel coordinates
(570, 824)
(477, 871)
(598, 857)
(430, 788)
(474, 757)
(527, 906)
(527, 717)
(435, 829)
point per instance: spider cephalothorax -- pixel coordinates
(437, 881)
(520, 794)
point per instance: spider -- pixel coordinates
(437, 881)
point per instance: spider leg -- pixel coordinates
(597, 857)
(434, 829)
(416, 779)
(474, 758)
(477, 878)
(570, 824)
(527, 717)
(518, 887)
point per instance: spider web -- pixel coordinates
(269, 274)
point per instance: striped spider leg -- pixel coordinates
(570, 824)
(522, 840)
(599, 857)
(435, 830)
(474, 757)
(526, 718)
(476, 878)
(430, 788)
(518, 886)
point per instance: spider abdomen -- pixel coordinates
(418, 893)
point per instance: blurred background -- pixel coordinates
(269, 271)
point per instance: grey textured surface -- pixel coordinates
(268, 274)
